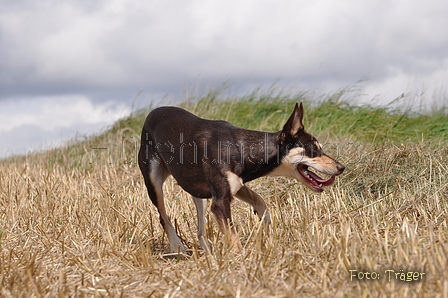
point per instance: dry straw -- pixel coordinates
(77, 222)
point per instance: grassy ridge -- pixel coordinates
(76, 221)
(330, 115)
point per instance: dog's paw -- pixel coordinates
(267, 218)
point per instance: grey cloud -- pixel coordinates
(109, 51)
(161, 44)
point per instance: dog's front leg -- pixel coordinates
(221, 210)
(256, 201)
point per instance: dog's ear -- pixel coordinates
(294, 125)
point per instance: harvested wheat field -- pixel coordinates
(77, 221)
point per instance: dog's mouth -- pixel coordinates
(315, 181)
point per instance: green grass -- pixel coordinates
(331, 115)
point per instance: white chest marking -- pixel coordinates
(234, 181)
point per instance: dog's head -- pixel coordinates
(303, 153)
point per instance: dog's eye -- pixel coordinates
(314, 150)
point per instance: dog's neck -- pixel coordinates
(262, 153)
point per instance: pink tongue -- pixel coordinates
(320, 180)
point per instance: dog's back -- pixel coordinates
(164, 123)
(182, 143)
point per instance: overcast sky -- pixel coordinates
(76, 66)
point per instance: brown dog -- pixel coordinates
(214, 159)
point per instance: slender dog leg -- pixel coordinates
(158, 176)
(201, 208)
(221, 210)
(155, 174)
(249, 196)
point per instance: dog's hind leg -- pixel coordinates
(155, 174)
(249, 196)
(201, 209)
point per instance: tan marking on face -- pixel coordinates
(295, 156)
(287, 167)
(323, 164)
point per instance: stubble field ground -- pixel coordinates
(76, 221)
